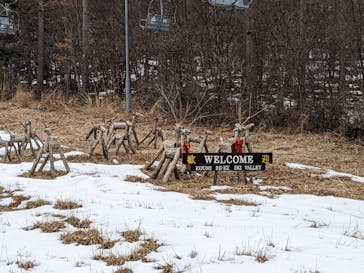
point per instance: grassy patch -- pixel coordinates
(26, 265)
(17, 200)
(48, 227)
(76, 222)
(131, 236)
(83, 237)
(108, 243)
(165, 268)
(66, 205)
(139, 254)
(36, 203)
(261, 256)
(239, 202)
(47, 175)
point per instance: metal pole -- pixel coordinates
(162, 9)
(127, 73)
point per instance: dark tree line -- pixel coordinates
(302, 61)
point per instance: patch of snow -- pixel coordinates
(257, 181)
(6, 201)
(264, 188)
(181, 224)
(220, 188)
(331, 173)
(301, 166)
(72, 153)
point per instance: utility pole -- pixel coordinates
(40, 70)
(127, 73)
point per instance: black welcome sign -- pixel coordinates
(227, 162)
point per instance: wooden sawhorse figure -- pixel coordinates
(46, 153)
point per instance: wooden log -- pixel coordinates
(45, 159)
(165, 166)
(36, 161)
(172, 166)
(160, 151)
(159, 166)
(145, 137)
(64, 159)
(51, 160)
(118, 144)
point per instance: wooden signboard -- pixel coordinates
(227, 161)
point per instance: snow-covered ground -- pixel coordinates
(297, 233)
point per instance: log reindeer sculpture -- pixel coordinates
(166, 145)
(30, 137)
(46, 153)
(20, 143)
(170, 152)
(8, 146)
(155, 133)
(100, 132)
(239, 144)
(122, 139)
(129, 127)
(106, 134)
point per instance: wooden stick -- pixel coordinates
(64, 159)
(160, 151)
(159, 166)
(45, 159)
(36, 161)
(51, 159)
(172, 166)
(165, 166)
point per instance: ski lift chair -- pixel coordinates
(7, 27)
(236, 4)
(157, 21)
(8, 20)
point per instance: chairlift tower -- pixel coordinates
(9, 24)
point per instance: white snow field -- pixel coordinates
(296, 233)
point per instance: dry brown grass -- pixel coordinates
(165, 268)
(22, 98)
(26, 265)
(48, 227)
(111, 259)
(66, 205)
(17, 200)
(83, 237)
(148, 246)
(261, 256)
(139, 254)
(76, 222)
(108, 243)
(131, 236)
(36, 203)
(239, 202)
(47, 175)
